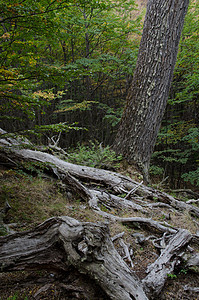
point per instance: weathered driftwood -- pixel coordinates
(186, 191)
(192, 201)
(12, 151)
(62, 242)
(93, 196)
(170, 256)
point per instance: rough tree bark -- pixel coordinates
(170, 256)
(62, 242)
(148, 94)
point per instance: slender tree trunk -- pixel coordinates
(148, 94)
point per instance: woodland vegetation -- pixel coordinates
(72, 211)
(67, 68)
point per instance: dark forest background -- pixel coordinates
(66, 66)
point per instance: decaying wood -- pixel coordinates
(186, 191)
(133, 190)
(12, 153)
(192, 201)
(191, 289)
(192, 260)
(151, 224)
(62, 242)
(127, 254)
(117, 236)
(170, 256)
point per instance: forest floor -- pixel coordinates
(35, 199)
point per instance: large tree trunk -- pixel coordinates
(147, 97)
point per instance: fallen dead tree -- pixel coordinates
(164, 265)
(60, 243)
(63, 242)
(12, 153)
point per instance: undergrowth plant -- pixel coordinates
(94, 155)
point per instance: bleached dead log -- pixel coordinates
(61, 243)
(186, 191)
(193, 210)
(127, 254)
(192, 201)
(192, 260)
(165, 264)
(117, 202)
(11, 152)
(93, 196)
(191, 289)
(146, 222)
(117, 236)
(160, 243)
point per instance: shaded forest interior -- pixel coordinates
(78, 220)
(67, 68)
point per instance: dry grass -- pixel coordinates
(34, 200)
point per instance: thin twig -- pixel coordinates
(133, 190)
(126, 252)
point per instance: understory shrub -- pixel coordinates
(94, 155)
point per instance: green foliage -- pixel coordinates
(111, 115)
(94, 155)
(28, 169)
(155, 170)
(52, 51)
(187, 67)
(16, 297)
(51, 129)
(122, 195)
(24, 31)
(192, 176)
(182, 141)
(70, 105)
(183, 271)
(171, 276)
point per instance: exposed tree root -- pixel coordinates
(170, 256)
(62, 243)
(12, 154)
